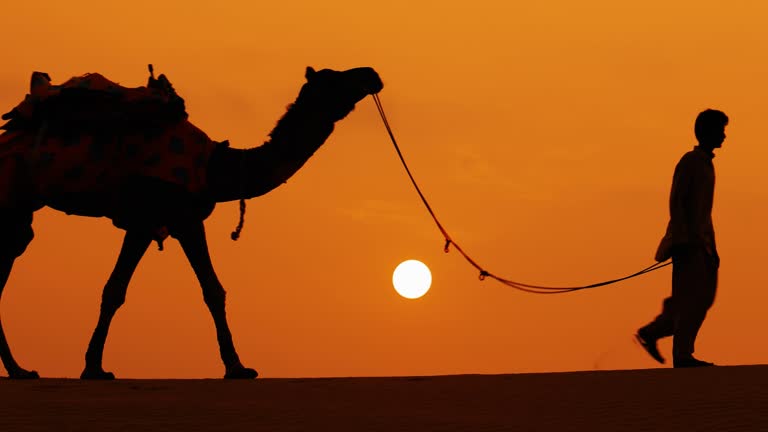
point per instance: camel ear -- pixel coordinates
(310, 73)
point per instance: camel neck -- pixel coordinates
(248, 173)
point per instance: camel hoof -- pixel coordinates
(96, 375)
(241, 373)
(23, 374)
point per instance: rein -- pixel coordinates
(536, 289)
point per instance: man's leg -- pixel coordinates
(694, 284)
(662, 326)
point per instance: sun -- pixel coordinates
(412, 279)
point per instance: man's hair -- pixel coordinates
(709, 121)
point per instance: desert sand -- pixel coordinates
(732, 398)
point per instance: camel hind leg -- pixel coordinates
(15, 235)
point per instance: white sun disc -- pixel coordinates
(412, 279)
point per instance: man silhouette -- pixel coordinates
(690, 242)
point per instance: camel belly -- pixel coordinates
(80, 204)
(143, 203)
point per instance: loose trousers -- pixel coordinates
(694, 285)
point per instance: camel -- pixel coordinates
(144, 205)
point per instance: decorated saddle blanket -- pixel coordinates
(91, 135)
(98, 164)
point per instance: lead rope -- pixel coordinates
(536, 289)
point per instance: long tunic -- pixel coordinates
(690, 205)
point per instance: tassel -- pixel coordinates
(236, 233)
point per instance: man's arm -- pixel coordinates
(678, 229)
(698, 207)
(680, 203)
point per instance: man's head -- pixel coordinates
(710, 128)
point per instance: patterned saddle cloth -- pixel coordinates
(90, 136)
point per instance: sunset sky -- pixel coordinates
(543, 133)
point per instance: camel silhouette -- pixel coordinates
(149, 207)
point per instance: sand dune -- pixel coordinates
(731, 398)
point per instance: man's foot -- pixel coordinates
(649, 345)
(96, 374)
(691, 362)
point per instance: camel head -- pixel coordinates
(335, 93)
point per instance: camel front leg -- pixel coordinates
(193, 242)
(134, 245)
(15, 234)
(14, 370)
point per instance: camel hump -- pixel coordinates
(93, 103)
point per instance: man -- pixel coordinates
(690, 242)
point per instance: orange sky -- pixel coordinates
(544, 135)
